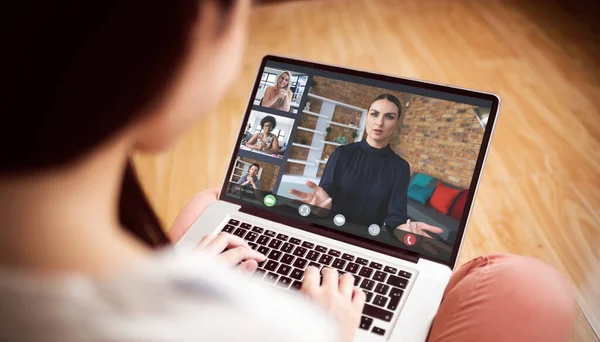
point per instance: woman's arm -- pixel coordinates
(252, 142)
(398, 202)
(270, 97)
(287, 104)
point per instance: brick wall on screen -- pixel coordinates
(268, 175)
(441, 138)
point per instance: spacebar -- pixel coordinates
(376, 312)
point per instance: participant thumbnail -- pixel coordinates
(267, 134)
(254, 174)
(280, 89)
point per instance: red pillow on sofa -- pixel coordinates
(459, 205)
(443, 197)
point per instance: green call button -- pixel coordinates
(270, 200)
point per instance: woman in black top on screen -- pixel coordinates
(367, 181)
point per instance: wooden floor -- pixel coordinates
(540, 194)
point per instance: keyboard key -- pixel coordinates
(295, 241)
(234, 222)
(365, 322)
(275, 243)
(325, 259)
(287, 259)
(405, 274)
(300, 263)
(297, 274)
(271, 265)
(284, 282)
(270, 233)
(246, 225)
(240, 232)
(275, 255)
(284, 269)
(264, 250)
(369, 295)
(376, 265)
(271, 278)
(382, 288)
(262, 240)
(314, 264)
(334, 253)
(312, 255)
(339, 263)
(367, 284)
(365, 272)
(357, 280)
(378, 331)
(259, 273)
(252, 245)
(379, 276)
(258, 229)
(380, 300)
(395, 296)
(376, 312)
(287, 247)
(308, 244)
(300, 251)
(397, 281)
(251, 236)
(352, 268)
(296, 285)
(362, 261)
(348, 257)
(282, 237)
(228, 228)
(321, 249)
(390, 269)
(262, 263)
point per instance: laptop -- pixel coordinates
(371, 174)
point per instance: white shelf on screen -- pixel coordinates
(310, 130)
(298, 161)
(321, 161)
(331, 143)
(337, 103)
(315, 114)
(304, 146)
(342, 125)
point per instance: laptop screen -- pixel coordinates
(380, 159)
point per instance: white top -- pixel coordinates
(176, 296)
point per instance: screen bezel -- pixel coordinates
(362, 242)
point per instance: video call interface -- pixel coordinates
(383, 161)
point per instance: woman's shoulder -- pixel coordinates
(401, 162)
(175, 296)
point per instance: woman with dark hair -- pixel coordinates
(89, 85)
(265, 141)
(82, 254)
(367, 181)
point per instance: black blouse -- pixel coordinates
(367, 185)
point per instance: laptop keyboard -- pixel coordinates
(288, 257)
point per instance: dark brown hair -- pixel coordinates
(393, 99)
(76, 73)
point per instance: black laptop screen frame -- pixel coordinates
(346, 237)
